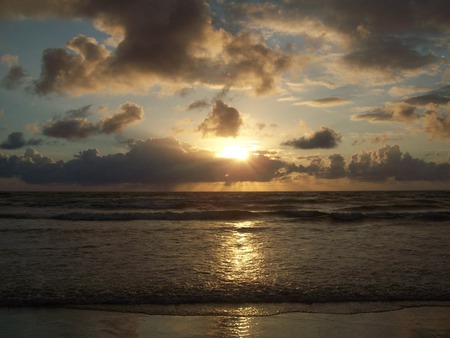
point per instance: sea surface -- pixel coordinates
(225, 253)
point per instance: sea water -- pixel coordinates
(225, 253)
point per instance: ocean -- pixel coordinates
(224, 253)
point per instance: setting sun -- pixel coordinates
(234, 151)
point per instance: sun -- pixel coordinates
(235, 152)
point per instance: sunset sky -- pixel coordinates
(224, 95)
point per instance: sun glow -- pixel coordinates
(234, 151)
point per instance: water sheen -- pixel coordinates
(196, 249)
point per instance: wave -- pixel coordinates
(255, 295)
(235, 215)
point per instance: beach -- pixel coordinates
(63, 322)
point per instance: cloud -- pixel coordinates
(398, 112)
(405, 90)
(440, 96)
(128, 113)
(159, 42)
(389, 162)
(10, 60)
(16, 140)
(167, 162)
(388, 53)
(326, 101)
(437, 125)
(365, 29)
(384, 164)
(198, 104)
(15, 78)
(179, 43)
(324, 138)
(223, 120)
(76, 127)
(70, 128)
(337, 167)
(80, 112)
(81, 71)
(153, 161)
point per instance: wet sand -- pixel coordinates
(62, 322)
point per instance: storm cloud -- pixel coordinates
(324, 138)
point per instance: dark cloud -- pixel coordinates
(324, 138)
(433, 122)
(70, 128)
(337, 167)
(81, 71)
(16, 140)
(168, 162)
(128, 113)
(389, 162)
(423, 100)
(158, 41)
(153, 161)
(198, 104)
(80, 112)
(223, 120)
(440, 96)
(399, 112)
(14, 78)
(388, 53)
(76, 128)
(383, 35)
(386, 163)
(185, 42)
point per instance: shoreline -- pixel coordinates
(60, 322)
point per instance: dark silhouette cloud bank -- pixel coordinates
(169, 162)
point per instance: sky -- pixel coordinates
(224, 95)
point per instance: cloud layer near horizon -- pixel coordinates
(169, 162)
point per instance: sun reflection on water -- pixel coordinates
(235, 327)
(241, 252)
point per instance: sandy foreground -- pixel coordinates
(61, 322)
